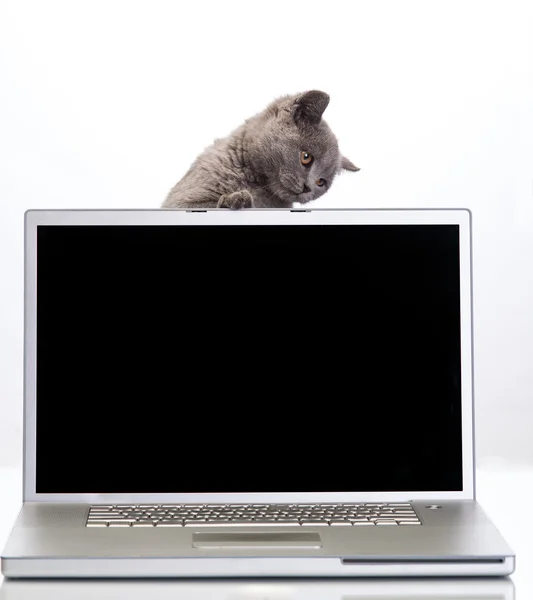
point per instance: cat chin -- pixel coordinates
(291, 196)
(304, 198)
(291, 199)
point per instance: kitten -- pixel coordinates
(282, 155)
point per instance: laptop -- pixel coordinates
(256, 393)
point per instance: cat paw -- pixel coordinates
(236, 200)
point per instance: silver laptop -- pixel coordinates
(261, 393)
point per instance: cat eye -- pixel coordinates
(306, 158)
(320, 182)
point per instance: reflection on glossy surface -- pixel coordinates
(273, 589)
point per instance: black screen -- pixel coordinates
(248, 359)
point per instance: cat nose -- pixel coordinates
(306, 189)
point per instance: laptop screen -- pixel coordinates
(244, 359)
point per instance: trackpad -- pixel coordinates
(256, 540)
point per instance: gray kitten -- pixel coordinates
(284, 154)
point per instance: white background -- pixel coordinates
(105, 104)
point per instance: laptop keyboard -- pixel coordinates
(264, 515)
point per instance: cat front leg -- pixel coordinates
(236, 200)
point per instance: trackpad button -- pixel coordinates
(257, 540)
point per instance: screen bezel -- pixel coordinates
(214, 217)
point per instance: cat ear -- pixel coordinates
(348, 165)
(309, 107)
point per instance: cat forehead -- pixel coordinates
(318, 136)
(317, 139)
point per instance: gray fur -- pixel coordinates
(258, 165)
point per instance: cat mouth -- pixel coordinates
(292, 185)
(296, 191)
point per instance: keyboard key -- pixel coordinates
(288, 521)
(272, 524)
(214, 521)
(119, 520)
(265, 520)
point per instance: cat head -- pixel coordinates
(297, 152)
